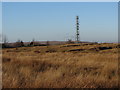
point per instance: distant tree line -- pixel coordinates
(20, 43)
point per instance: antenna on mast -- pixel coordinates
(77, 29)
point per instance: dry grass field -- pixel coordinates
(61, 66)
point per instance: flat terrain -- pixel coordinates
(61, 66)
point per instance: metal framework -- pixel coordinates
(77, 29)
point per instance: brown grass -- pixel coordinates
(61, 66)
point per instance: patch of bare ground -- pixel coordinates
(61, 67)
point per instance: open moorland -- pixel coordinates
(61, 66)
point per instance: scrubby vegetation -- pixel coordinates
(61, 66)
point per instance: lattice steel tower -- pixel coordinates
(77, 29)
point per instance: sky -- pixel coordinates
(56, 21)
(60, 0)
(0, 21)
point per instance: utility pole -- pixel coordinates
(77, 29)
